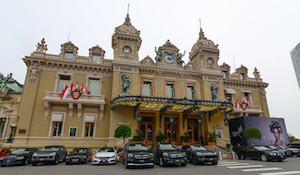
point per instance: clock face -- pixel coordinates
(169, 58)
(210, 61)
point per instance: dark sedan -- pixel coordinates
(20, 156)
(199, 154)
(295, 151)
(49, 154)
(79, 155)
(287, 153)
(168, 153)
(262, 153)
(137, 155)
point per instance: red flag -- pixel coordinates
(72, 87)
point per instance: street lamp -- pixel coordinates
(12, 125)
(172, 119)
(139, 117)
(199, 117)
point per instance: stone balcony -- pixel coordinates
(87, 100)
(253, 111)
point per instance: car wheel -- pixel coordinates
(67, 163)
(280, 160)
(25, 162)
(214, 162)
(126, 165)
(183, 164)
(56, 161)
(263, 157)
(86, 161)
(34, 164)
(161, 162)
(194, 161)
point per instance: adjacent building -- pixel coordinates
(295, 54)
(151, 95)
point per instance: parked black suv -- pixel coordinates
(79, 155)
(137, 155)
(198, 153)
(168, 153)
(18, 156)
(49, 154)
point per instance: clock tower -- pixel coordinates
(126, 42)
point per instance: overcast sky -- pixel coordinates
(255, 33)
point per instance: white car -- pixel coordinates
(105, 155)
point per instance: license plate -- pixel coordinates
(282, 156)
(8, 161)
(211, 159)
(41, 159)
(75, 160)
(142, 160)
(177, 160)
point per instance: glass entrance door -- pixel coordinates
(193, 130)
(171, 132)
(146, 130)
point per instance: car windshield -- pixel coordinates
(284, 147)
(261, 148)
(79, 150)
(198, 148)
(50, 148)
(138, 147)
(272, 147)
(168, 147)
(21, 151)
(104, 150)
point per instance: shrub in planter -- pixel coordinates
(160, 136)
(138, 137)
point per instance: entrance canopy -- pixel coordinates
(167, 104)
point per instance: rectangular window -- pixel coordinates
(94, 86)
(224, 74)
(96, 59)
(64, 80)
(68, 55)
(242, 76)
(169, 90)
(89, 129)
(190, 92)
(56, 128)
(247, 96)
(147, 88)
(228, 97)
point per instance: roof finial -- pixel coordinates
(127, 19)
(201, 34)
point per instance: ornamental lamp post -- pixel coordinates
(199, 117)
(172, 119)
(139, 117)
(12, 125)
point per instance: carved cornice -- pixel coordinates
(245, 84)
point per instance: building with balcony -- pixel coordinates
(151, 95)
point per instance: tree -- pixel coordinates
(123, 131)
(252, 133)
(291, 138)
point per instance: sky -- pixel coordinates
(252, 33)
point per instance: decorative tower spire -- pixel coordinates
(201, 34)
(127, 19)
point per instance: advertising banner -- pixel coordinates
(273, 131)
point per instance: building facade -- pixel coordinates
(151, 95)
(295, 54)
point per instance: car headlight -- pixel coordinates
(84, 156)
(130, 155)
(151, 155)
(165, 154)
(1, 158)
(273, 154)
(199, 154)
(183, 154)
(96, 157)
(20, 157)
(112, 157)
(34, 154)
(52, 154)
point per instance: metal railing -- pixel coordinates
(83, 96)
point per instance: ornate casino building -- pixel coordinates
(79, 101)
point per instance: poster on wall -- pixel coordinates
(273, 131)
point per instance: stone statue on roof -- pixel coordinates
(4, 80)
(158, 54)
(41, 47)
(214, 91)
(179, 57)
(126, 82)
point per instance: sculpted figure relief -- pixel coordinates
(214, 91)
(158, 54)
(4, 80)
(126, 82)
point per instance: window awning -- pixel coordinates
(230, 91)
(57, 117)
(90, 119)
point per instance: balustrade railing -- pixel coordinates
(83, 96)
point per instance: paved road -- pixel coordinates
(224, 167)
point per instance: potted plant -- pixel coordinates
(160, 137)
(212, 138)
(185, 139)
(137, 138)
